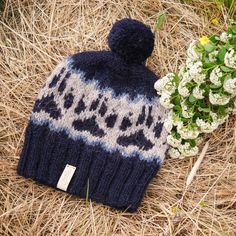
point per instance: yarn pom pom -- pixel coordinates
(132, 40)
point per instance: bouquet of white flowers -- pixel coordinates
(202, 95)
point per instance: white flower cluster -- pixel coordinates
(206, 127)
(172, 141)
(230, 58)
(198, 93)
(165, 84)
(218, 99)
(182, 89)
(165, 87)
(195, 71)
(215, 76)
(192, 53)
(201, 96)
(230, 85)
(186, 112)
(187, 132)
(184, 150)
(213, 56)
(224, 37)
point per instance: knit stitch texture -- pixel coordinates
(98, 111)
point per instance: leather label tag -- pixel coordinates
(66, 177)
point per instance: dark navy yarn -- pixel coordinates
(88, 116)
(110, 70)
(111, 120)
(113, 179)
(90, 125)
(138, 139)
(48, 105)
(69, 98)
(132, 40)
(122, 69)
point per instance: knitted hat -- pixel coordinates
(96, 129)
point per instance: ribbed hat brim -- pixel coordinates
(108, 178)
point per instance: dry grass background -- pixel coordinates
(35, 35)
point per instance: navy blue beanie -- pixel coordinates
(96, 130)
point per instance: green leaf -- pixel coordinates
(204, 109)
(221, 54)
(208, 65)
(232, 40)
(178, 108)
(160, 21)
(213, 86)
(192, 99)
(221, 110)
(192, 142)
(214, 38)
(177, 100)
(226, 69)
(233, 28)
(209, 47)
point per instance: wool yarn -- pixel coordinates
(96, 129)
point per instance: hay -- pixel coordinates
(35, 35)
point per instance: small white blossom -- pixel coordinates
(193, 151)
(230, 58)
(186, 77)
(195, 68)
(168, 124)
(176, 120)
(192, 53)
(165, 100)
(230, 86)
(200, 78)
(218, 99)
(213, 56)
(173, 153)
(180, 124)
(206, 127)
(186, 113)
(187, 150)
(172, 141)
(182, 89)
(199, 140)
(187, 132)
(218, 120)
(215, 76)
(165, 84)
(189, 63)
(213, 116)
(222, 119)
(224, 37)
(195, 71)
(198, 93)
(159, 84)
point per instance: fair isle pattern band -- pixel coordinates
(97, 116)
